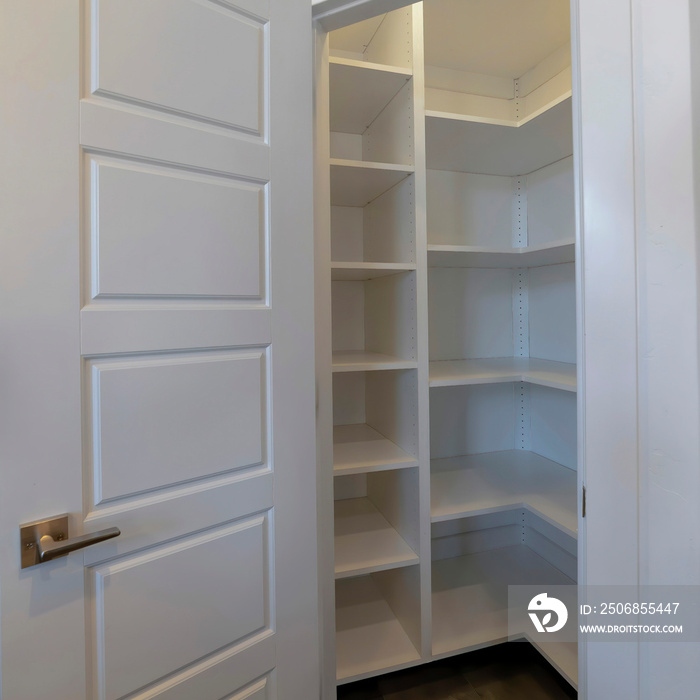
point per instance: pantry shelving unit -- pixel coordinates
(446, 345)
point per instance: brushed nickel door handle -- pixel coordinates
(49, 549)
(44, 540)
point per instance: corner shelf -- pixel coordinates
(359, 449)
(470, 595)
(495, 370)
(460, 143)
(367, 88)
(563, 656)
(477, 256)
(496, 481)
(355, 183)
(365, 542)
(361, 361)
(369, 637)
(362, 271)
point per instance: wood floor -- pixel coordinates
(512, 671)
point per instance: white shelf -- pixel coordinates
(563, 656)
(476, 256)
(557, 375)
(365, 542)
(355, 183)
(458, 142)
(470, 595)
(497, 481)
(361, 361)
(361, 271)
(360, 449)
(359, 92)
(369, 638)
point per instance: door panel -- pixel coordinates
(136, 643)
(199, 59)
(159, 421)
(158, 374)
(165, 232)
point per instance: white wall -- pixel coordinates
(640, 448)
(668, 342)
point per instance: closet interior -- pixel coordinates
(449, 267)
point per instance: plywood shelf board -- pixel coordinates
(362, 361)
(369, 638)
(359, 448)
(470, 595)
(357, 183)
(556, 375)
(494, 481)
(365, 542)
(362, 271)
(360, 91)
(454, 142)
(477, 256)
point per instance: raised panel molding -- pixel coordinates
(112, 330)
(157, 611)
(255, 691)
(148, 519)
(160, 421)
(168, 232)
(213, 677)
(123, 129)
(200, 59)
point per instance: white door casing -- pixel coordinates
(157, 348)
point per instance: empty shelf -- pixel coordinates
(475, 256)
(355, 183)
(365, 541)
(495, 481)
(359, 92)
(369, 638)
(361, 361)
(359, 448)
(470, 595)
(557, 375)
(563, 656)
(457, 142)
(360, 271)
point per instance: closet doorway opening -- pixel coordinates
(447, 293)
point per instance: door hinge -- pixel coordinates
(583, 503)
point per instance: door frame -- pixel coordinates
(624, 171)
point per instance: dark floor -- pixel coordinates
(512, 671)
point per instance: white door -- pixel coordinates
(156, 348)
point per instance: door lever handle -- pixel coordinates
(44, 540)
(48, 548)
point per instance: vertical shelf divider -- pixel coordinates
(421, 224)
(324, 361)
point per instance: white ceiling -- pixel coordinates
(497, 37)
